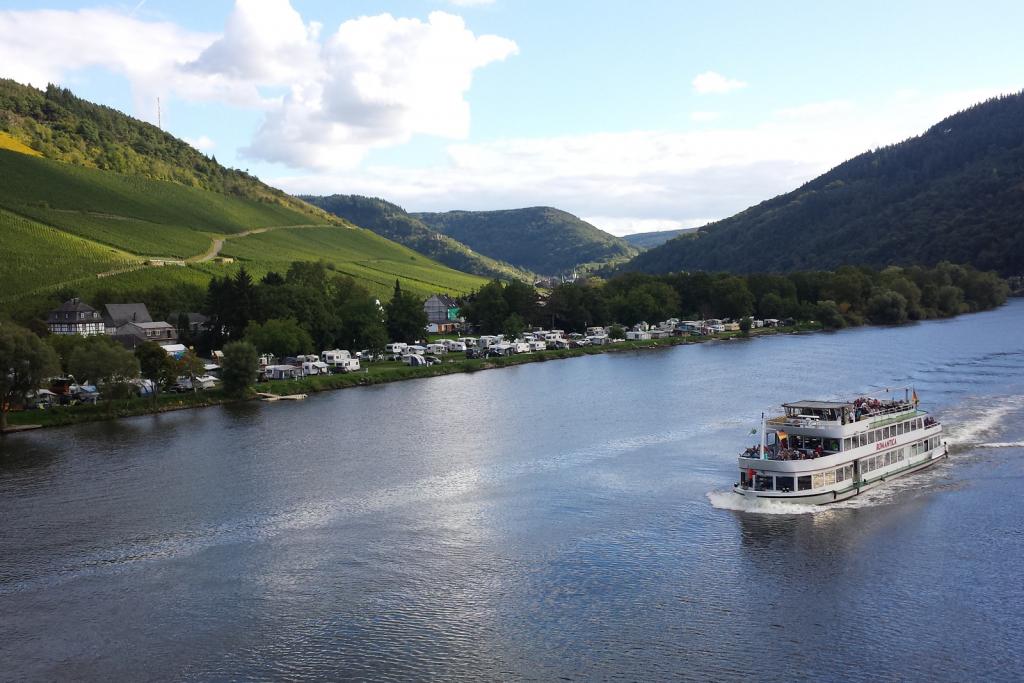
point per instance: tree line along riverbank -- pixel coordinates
(380, 372)
(311, 307)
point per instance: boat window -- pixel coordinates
(871, 437)
(899, 455)
(890, 431)
(817, 480)
(863, 438)
(830, 477)
(900, 428)
(888, 458)
(804, 483)
(763, 482)
(847, 443)
(784, 483)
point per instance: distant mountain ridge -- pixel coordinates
(541, 239)
(954, 193)
(393, 222)
(649, 240)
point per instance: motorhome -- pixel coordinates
(437, 348)
(315, 367)
(488, 340)
(537, 345)
(396, 347)
(282, 372)
(339, 360)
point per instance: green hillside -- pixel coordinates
(62, 226)
(369, 258)
(60, 126)
(954, 193)
(541, 239)
(35, 256)
(392, 221)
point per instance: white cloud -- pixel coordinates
(376, 81)
(712, 82)
(704, 116)
(203, 143)
(42, 46)
(684, 178)
(382, 81)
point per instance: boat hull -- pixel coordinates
(836, 495)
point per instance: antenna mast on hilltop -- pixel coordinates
(159, 124)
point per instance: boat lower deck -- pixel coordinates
(842, 493)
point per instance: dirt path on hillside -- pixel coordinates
(218, 243)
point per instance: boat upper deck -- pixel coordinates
(835, 416)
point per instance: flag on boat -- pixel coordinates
(915, 399)
(753, 430)
(780, 435)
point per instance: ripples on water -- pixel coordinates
(559, 520)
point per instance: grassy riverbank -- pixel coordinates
(373, 373)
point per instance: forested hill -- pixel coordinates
(61, 126)
(392, 221)
(954, 193)
(541, 239)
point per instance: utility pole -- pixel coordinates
(159, 123)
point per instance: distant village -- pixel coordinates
(446, 335)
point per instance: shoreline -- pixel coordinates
(381, 372)
(373, 374)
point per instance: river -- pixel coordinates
(568, 519)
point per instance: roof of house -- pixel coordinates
(75, 305)
(119, 314)
(445, 299)
(159, 325)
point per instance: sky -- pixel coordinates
(637, 116)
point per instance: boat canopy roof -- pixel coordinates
(818, 405)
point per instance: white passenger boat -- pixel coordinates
(824, 451)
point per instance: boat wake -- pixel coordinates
(970, 426)
(726, 499)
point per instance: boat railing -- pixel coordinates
(786, 454)
(804, 422)
(884, 412)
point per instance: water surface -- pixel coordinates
(562, 519)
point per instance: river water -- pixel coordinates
(568, 519)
